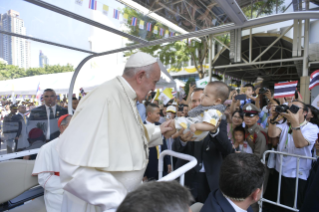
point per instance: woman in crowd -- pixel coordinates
(312, 115)
(236, 120)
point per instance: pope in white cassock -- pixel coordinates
(47, 169)
(104, 151)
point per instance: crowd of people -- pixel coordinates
(96, 159)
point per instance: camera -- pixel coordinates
(263, 90)
(181, 108)
(281, 109)
(284, 109)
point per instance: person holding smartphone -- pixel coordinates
(296, 136)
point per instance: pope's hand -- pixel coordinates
(185, 137)
(167, 126)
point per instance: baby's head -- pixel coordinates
(249, 90)
(215, 93)
(239, 134)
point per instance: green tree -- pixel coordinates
(14, 72)
(263, 7)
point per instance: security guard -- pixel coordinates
(255, 135)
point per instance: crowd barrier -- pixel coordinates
(277, 203)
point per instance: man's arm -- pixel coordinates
(91, 185)
(221, 139)
(299, 139)
(273, 130)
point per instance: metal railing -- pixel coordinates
(277, 203)
(180, 172)
(18, 154)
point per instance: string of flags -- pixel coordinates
(93, 5)
(314, 79)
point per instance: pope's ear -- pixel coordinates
(139, 76)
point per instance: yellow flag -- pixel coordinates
(125, 16)
(141, 26)
(105, 9)
(166, 95)
(156, 95)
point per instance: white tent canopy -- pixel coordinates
(88, 79)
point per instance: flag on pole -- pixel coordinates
(156, 95)
(161, 31)
(141, 25)
(149, 27)
(171, 34)
(116, 14)
(38, 94)
(125, 18)
(166, 34)
(92, 4)
(82, 92)
(166, 95)
(285, 89)
(314, 79)
(134, 21)
(155, 30)
(79, 2)
(105, 9)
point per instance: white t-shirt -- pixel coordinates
(289, 163)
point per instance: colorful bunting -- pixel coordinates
(134, 21)
(92, 4)
(125, 18)
(149, 27)
(105, 9)
(166, 34)
(155, 31)
(141, 25)
(314, 79)
(161, 31)
(116, 14)
(79, 2)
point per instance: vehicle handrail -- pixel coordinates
(180, 172)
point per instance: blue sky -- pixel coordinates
(47, 25)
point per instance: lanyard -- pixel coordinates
(287, 137)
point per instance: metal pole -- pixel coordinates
(210, 58)
(306, 49)
(258, 63)
(261, 54)
(279, 180)
(250, 44)
(297, 179)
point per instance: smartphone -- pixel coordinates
(240, 97)
(193, 83)
(294, 109)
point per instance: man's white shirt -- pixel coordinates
(286, 144)
(236, 208)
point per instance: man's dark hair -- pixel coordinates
(240, 175)
(249, 85)
(315, 114)
(198, 89)
(74, 98)
(276, 100)
(49, 90)
(157, 197)
(239, 128)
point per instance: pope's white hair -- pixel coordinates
(130, 72)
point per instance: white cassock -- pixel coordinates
(104, 151)
(47, 168)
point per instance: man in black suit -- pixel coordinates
(241, 180)
(49, 114)
(151, 172)
(21, 137)
(209, 152)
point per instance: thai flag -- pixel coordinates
(285, 89)
(314, 79)
(149, 27)
(92, 4)
(82, 91)
(171, 34)
(161, 31)
(116, 14)
(38, 95)
(134, 21)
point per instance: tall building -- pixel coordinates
(15, 50)
(43, 60)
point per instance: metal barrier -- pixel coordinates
(180, 172)
(277, 203)
(18, 154)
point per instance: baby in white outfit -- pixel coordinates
(207, 115)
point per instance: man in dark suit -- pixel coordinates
(21, 137)
(151, 172)
(241, 180)
(49, 114)
(209, 152)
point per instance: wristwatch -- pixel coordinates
(295, 128)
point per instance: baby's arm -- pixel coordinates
(202, 127)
